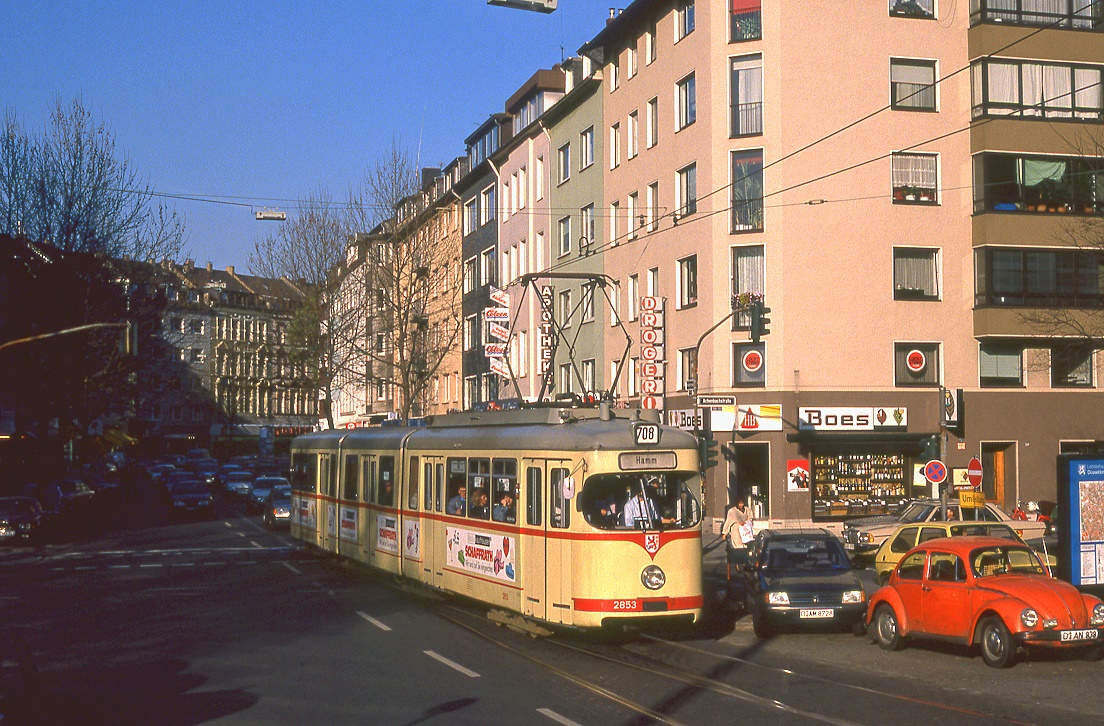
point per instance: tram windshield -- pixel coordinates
(667, 500)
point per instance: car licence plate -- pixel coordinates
(820, 613)
(1072, 635)
(849, 545)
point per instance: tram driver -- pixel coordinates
(640, 510)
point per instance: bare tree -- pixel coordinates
(70, 187)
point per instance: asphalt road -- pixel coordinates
(145, 620)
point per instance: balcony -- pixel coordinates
(747, 119)
(1067, 14)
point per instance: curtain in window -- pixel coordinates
(1034, 171)
(1031, 81)
(1042, 273)
(747, 95)
(1000, 362)
(748, 275)
(1057, 91)
(915, 270)
(1038, 12)
(913, 84)
(1086, 85)
(1004, 84)
(914, 170)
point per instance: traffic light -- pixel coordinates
(708, 453)
(929, 448)
(759, 321)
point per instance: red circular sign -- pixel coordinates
(935, 471)
(753, 361)
(973, 472)
(916, 361)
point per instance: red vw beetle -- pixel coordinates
(984, 590)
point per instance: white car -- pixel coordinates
(864, 537)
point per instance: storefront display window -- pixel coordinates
(852, 484)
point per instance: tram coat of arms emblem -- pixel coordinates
(651, 543)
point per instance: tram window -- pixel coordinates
(387, 481)
(561, 512)
(504, 498)
(368, 464)
(303, 472)
(439, 486)
(427, 495)
(603, 498)
(350, 492)
(533, 496)
(479, 483)
(329, 474)
(457, 487)
(412, 491)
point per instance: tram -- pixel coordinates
(579, 517)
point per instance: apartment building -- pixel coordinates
(896, 182)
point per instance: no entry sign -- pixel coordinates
(974, 472)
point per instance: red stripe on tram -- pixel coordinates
(636, 604)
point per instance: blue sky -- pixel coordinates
(276, 101)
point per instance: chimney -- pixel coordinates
(229, 269)
(210, 267)
(189, 265)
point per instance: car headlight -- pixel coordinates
(1029, 617)
(653, 577)
(1098, 614)
(778, 598)
(853, 596)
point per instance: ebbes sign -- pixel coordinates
(845, 418)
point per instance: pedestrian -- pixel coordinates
(739, 532)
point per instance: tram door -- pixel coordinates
(421, 538)
(327, 505)
(546, 571)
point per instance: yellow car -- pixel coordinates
(907, 536)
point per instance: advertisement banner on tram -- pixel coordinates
(412, 543)
(489, 555)
(331, 519)
(348, 531)
(387, 534)
(304, 513)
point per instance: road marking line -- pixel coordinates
(451, 664)
(256, 545)
(118, 567)
(155, 564)
(373, 621)
(291, 567)
(85, 567)
(556, 717)
(183, 564)
(228, 524)
(212, 564)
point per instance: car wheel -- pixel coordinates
(884, 629)
(760, 625)
(998, 650)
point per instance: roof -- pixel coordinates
(964, 545)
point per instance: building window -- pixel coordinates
(471, 216)
(1039, 278)
(471, 274)
(198, 356)
(746, 96)
(912, 84)
(589, 369)
(686, 296)
(614, 212)
(565, 378)
(634, 377)
(653, 205)
(918, 8)
(687, 102)
(1014, 183)
(748, 275)
(538, 181)
(488, 267)
(565, 308)
(1071, 366)
(916, 364)
(633, 297)
(633, 133)
(586, 148)
(1076, 14)
(588, 303)
(471, 332)
(653, 122)
(564, 155)
(586, 217)
(650, 43)
(565, 236)
(471, 391)
(915, 178)
(633, 61)
(687, 368)
(522, 192)
(745, 20)
(615, 146)
(487, 204)
(915, 273)
(1000, 365)
(747, 191)
(748, 365)
(688, 190)
(653, 282)
(1023, 88)
(631, 213)
(684, 19)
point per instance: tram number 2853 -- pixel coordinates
(627, 605)
(647, 433)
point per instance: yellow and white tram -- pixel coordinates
(530, 511)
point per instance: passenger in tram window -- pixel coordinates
(459, 502)
(387, 493)
(479, 508)
(504, 510)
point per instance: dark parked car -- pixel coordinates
(262, 485)
(277, 507)
(239, 483)
(191, 497)
(21, 519)
(205, 469)
(801, 578)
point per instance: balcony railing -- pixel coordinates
(1069, 14)
(747, 119)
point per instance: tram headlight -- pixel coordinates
(653, 577)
